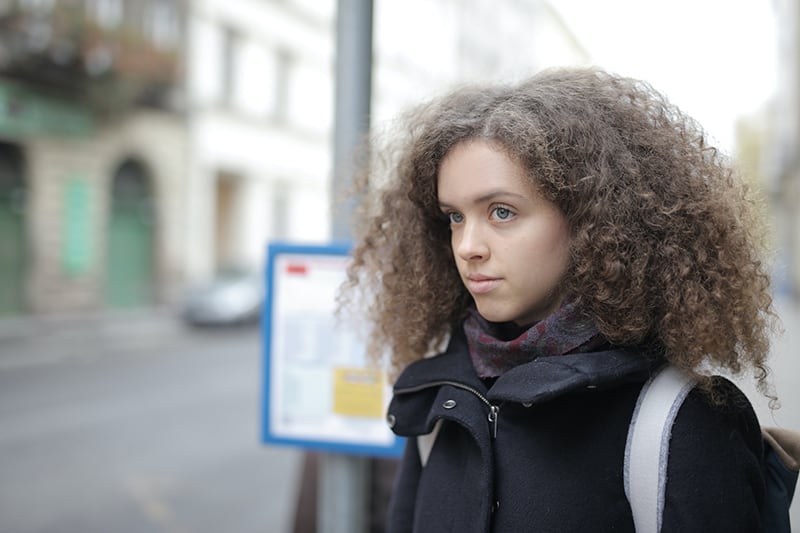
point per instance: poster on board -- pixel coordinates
(319, 391)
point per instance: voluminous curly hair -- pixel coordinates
(666, 240)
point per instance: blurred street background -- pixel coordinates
(127, 422)
(150, 149)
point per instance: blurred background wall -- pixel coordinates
(780, 152)
(93, 145)
(146, 145)
(149, 144)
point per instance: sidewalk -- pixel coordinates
(41, 339)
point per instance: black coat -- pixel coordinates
(552, 458)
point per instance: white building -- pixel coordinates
(783, 171)
(260, 103)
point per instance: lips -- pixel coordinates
(478, 284)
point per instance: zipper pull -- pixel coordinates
(493, 412)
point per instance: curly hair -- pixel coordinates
(666, 241)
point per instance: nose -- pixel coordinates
(469, 243)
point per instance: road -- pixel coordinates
(136, 425)
(142, 427)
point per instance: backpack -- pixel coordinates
(647, 451)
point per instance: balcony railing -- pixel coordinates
(110, 53)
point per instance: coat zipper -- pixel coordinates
(494, 410)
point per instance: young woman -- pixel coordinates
(530, 254)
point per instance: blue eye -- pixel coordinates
(455, 218)
(502, 213)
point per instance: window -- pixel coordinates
(283, 67)
(228, 71)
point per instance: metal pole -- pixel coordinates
(353, 96)
(343, 479)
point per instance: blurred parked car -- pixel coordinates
(232, 297)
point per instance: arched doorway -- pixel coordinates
(130, 242)
(13, 256)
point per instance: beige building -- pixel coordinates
(92, 154)
(169, 139)
(90, 248)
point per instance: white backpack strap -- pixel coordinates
(647, 449)
(425, 443)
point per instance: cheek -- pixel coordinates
(451, 250)
(560, 240)
(562, 249)
(564, 260)
(556, 248)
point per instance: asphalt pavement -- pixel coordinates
(131, 422)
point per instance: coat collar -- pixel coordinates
(540, 380)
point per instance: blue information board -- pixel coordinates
(319, 390)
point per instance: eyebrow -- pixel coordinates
(489, 196)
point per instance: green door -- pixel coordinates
(130, 259)
(12, 231)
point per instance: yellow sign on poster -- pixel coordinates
(358, 392)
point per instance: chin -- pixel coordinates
(495, 315)
(516, 316)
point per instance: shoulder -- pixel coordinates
(724, 414)
(714, 479)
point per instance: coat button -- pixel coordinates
(390, 419)
(495, 506)
(449, 404)
(527, 404)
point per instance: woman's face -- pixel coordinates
(511, 245)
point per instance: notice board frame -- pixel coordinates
(373, 437)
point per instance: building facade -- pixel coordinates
(91, 149)
(146, 145)
(260, 91)
(783, 159)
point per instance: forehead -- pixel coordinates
(479, 166)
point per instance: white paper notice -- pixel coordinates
(321, 387)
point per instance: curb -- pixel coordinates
(23, 326)
(33, 339)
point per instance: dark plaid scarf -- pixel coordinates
(498, 347)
